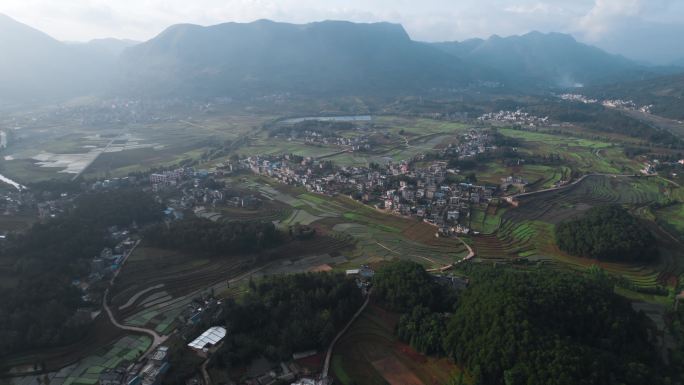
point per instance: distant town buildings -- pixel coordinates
(609, 103)
(517, 116)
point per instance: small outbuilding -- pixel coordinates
(207, 340)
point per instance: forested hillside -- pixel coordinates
(532, 328)
(37, 312)
(607, 233)
(550, 328)
(204, 236)
(666, 94)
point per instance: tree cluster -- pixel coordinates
(38, 311)
(285, 314)
(534, 328)
(215, 238)
(402, 286)
(607, 233)
(550, 328)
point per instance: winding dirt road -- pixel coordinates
(156, 338)
(328, 355)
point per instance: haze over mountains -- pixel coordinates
(544, 60)
(35, 66)
(262, 57)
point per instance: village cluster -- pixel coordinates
(103, 266)
(421, 188)
(610, 103)
(355, 143)
(517, 116)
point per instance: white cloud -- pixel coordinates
(141, 19)
(607, 16)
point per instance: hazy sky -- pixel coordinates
(642, 29)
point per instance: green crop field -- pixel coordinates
(126, 349)
(375, 234)
(420, 126)
(580, 154)
(674, 216)
(528, 230)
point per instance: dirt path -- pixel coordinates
(513, 197)
(139, 294)
(658, 122)
(156, 338)
(90, 163)
(670, 181)
(471, 255)
(328, 355)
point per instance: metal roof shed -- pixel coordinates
(211, 337)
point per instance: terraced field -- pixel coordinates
(376, 235)
(528, 230)
(87, 372)
(270, 213)
(673, 216)
(580, 154)
(156, 285)
(378, 245)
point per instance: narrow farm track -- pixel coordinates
(156, 338)
(328, 354)
(514, 197)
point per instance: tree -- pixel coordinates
(547, 328)
(281, 315)
(607, 233)
(37, 313)
(404, 285)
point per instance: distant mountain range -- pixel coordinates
(35, 66)
(548, 60)
(112, 47)
(317, 59)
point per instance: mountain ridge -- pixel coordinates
(36, 66)
(544, 59)
(314, 59)
(319, 58)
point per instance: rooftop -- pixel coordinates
(210, 337)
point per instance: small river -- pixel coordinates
(11, 182)
(351, 118)
(3, 144)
